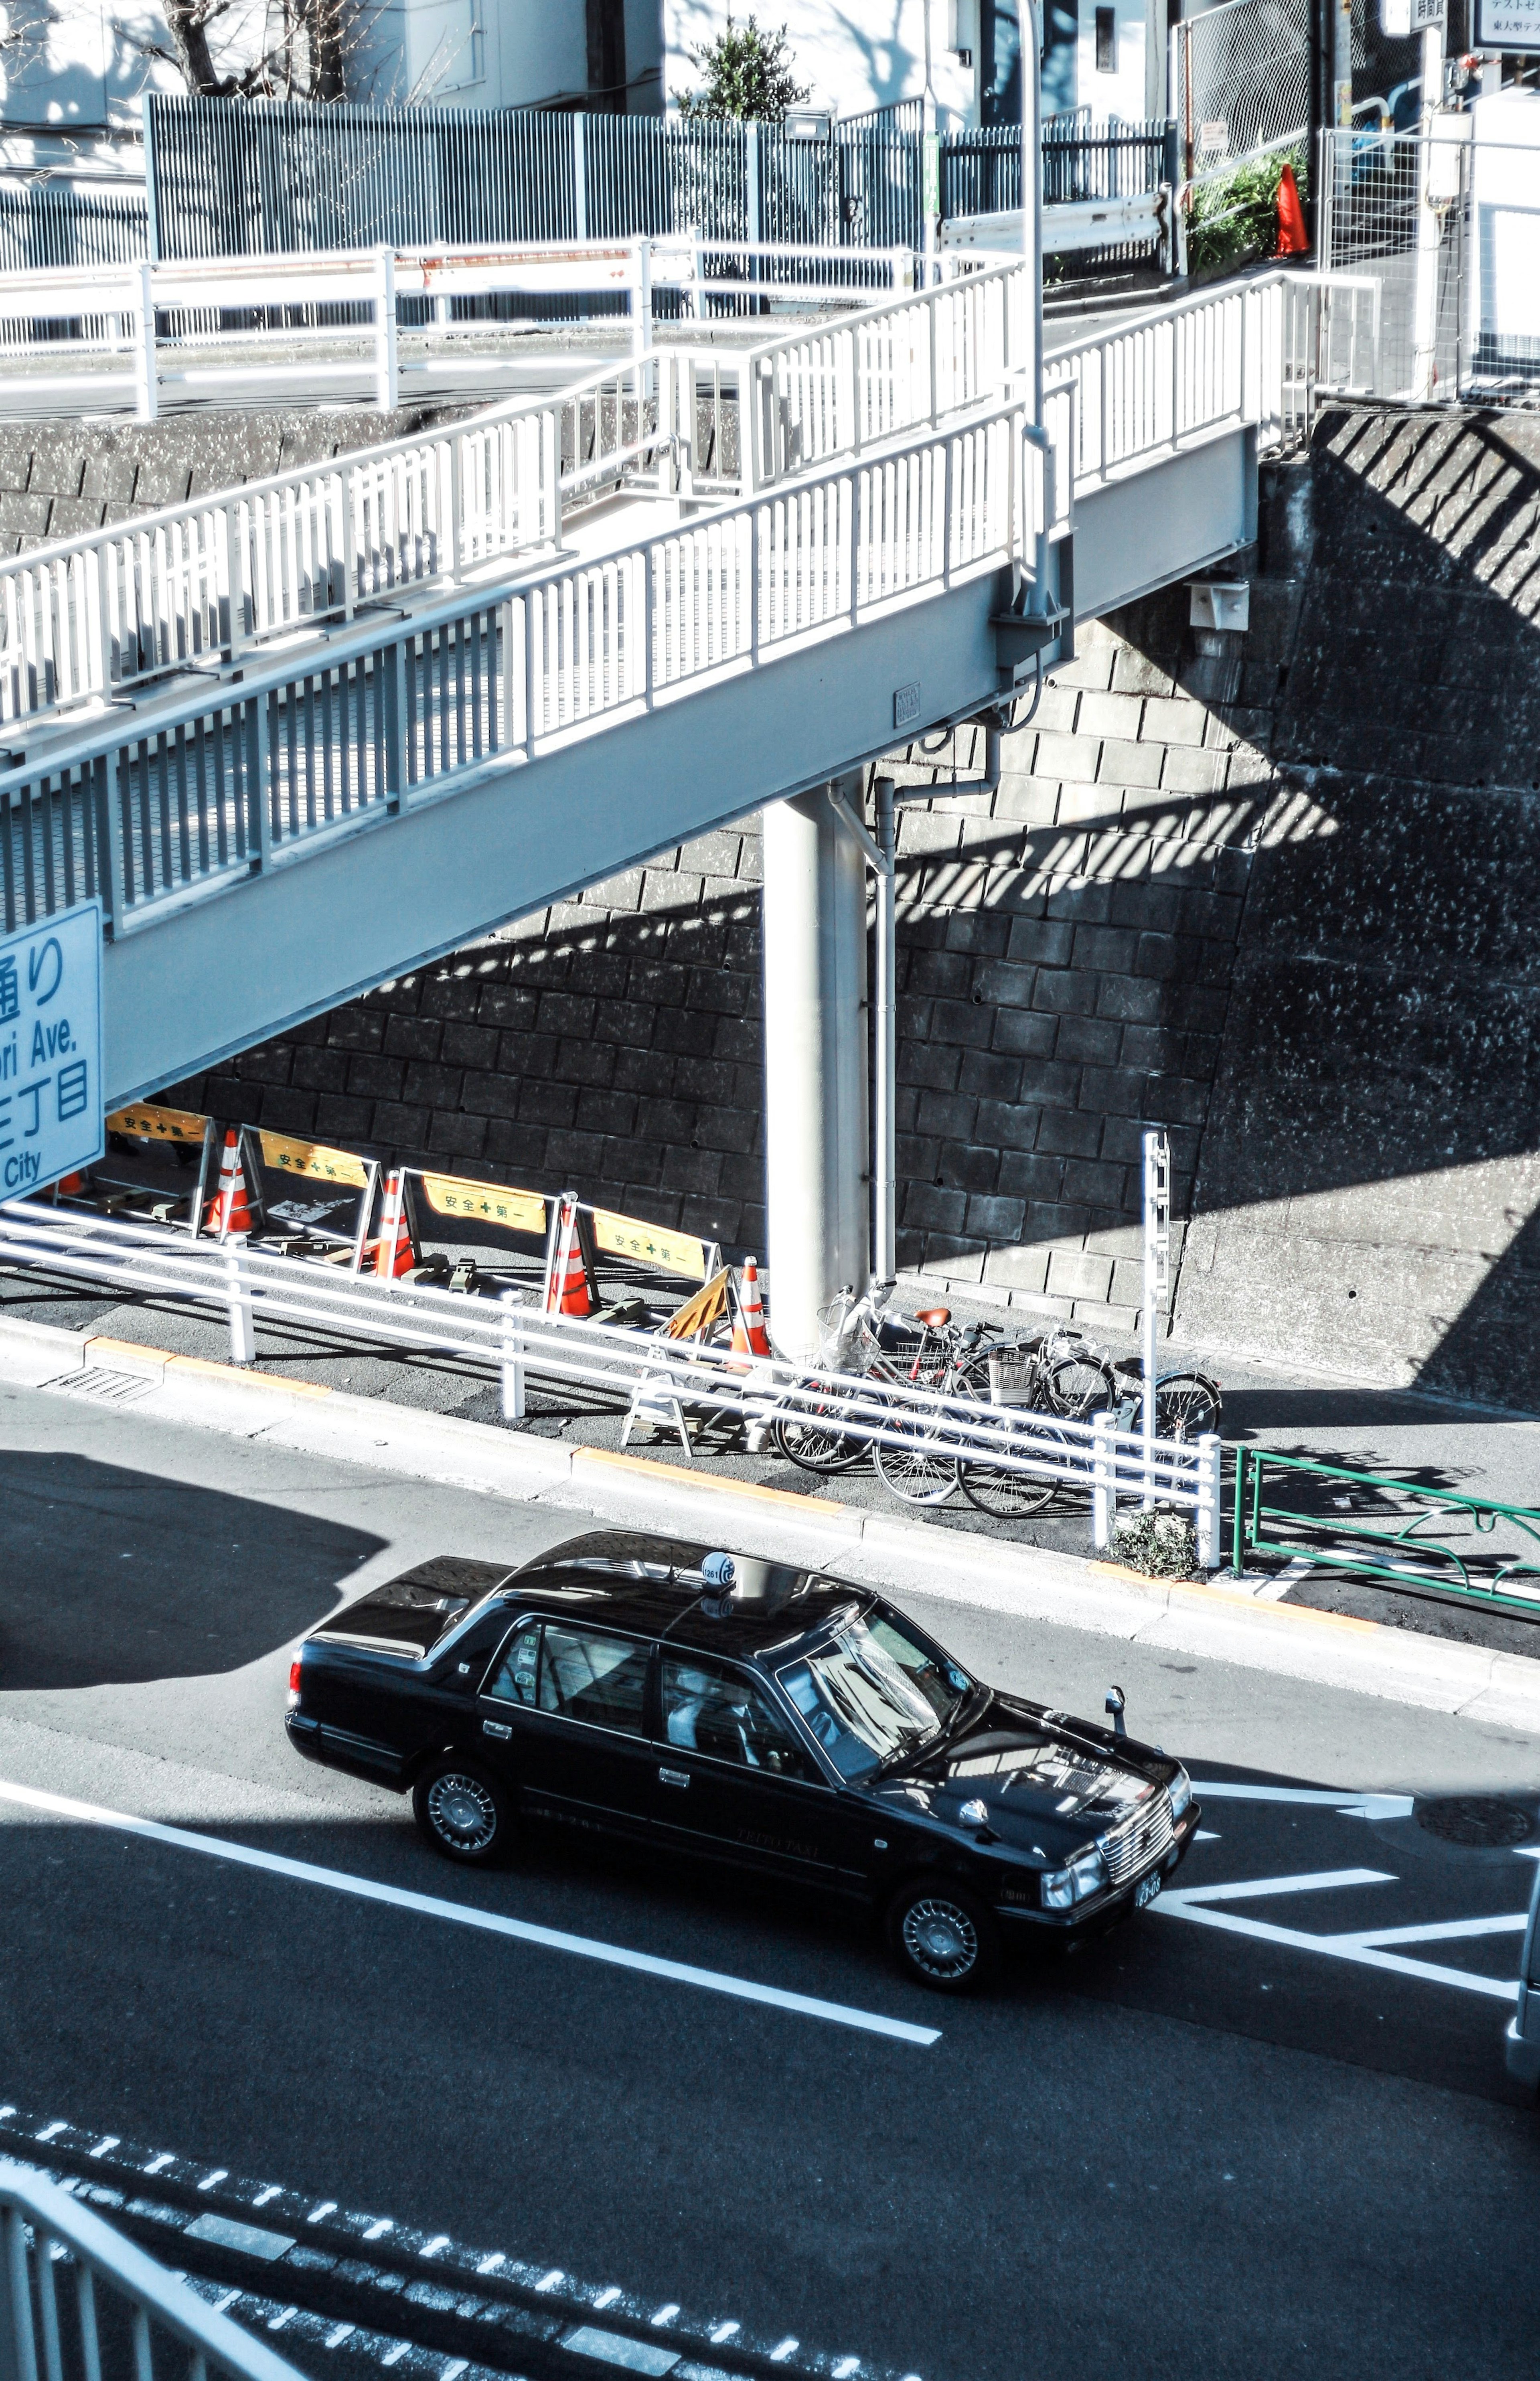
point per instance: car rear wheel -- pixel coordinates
(943, 1936)
(463, 1813)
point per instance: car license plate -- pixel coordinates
(1145, 1891)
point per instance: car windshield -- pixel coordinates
(872, 1691)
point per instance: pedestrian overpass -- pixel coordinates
(302, 739)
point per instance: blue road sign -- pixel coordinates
(52, 1111)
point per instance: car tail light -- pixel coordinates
(294, 1682)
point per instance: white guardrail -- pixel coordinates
(513, 1337)
(48, 2241)
(210, 579)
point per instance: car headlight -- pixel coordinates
(1062, 1888)
(1180, 1791)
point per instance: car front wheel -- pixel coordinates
(462, 1813)
(944, 1936)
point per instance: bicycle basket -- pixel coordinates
(1012, 1380)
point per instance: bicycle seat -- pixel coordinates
(932, 1317)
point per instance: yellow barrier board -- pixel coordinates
(310, 1159)
(146, 1123)
(485, 1203)
(622, 1236)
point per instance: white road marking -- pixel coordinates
(847, 2368)
(724, 2331)
(614, 2348)
(549, 2282)
(323, 2208)
(665, 2313)
(606, 2297)
(108, 2142)
(1189, 1902)
(166, 2157)
(274, 2191)
(519, 1930)
(431, 2248)
(58, 2125)
(394, 2355)
(382, 2225)
(1450, 1930)
(1254, 1889)
(217, 2175)
(335, 2338)
(487, 2265)
(788, 2348)
(1351, 1804)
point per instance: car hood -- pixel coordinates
(1049, 1782)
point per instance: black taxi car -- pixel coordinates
(716, 1704)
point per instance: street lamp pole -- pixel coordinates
(1031, 195)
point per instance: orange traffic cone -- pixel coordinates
(566, 1290)
(1293, 238)
(70, 1185)
(394, 1252)
(228, 1211)
(750, 1336)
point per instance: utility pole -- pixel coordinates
(1031, 199)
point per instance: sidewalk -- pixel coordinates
(879, 1549)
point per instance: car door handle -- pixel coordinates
(495, 1727)
(674, 1777)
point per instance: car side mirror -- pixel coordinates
(1115, 1704)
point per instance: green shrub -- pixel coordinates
(1235, 215)
(748, 74)
(1162, 1545)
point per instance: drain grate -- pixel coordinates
(1482, 1821)
(106, 1388)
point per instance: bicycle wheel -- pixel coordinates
(1080, 1385)
(813, 1444)
(1013, 1496)
(1187, 1406)
(917, 1472)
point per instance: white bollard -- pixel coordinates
(1103, 1481)
(243, 1329)
(513, 1357)
(1206, 1518)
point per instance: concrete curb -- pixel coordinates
(1218, 1623)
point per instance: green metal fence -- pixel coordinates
(1398, 1532)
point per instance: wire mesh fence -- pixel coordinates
(1241, 79)
(1429, 220)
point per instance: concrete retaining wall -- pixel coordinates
(1279, 896)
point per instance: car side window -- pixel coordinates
(589, 1676)
(515, 1676)
(709, 1708)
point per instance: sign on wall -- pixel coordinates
(1512, 25)
(50, 1103)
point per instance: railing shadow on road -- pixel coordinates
(118, 1577)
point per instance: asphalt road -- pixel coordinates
(1207, 2149)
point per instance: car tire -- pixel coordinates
(464, 1813)
(943, 1936)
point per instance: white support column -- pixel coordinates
(885, 1260)
(1206, 1518)
(147, 395)
(816, 1163)
(1430, 227)
(1103, 1481)
(386, 375)
(642, 297)
(1157, 1275)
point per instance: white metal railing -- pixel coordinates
(218, 781)
(205, 580)
(53, 2251)
(513, 1337)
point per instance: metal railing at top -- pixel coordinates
(212, 578)
(515, 1339)
(55, 2255)
(1396, 1532)
(217, 781)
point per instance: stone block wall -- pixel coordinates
(1280, 897)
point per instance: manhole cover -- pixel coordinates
(1479, 1820)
